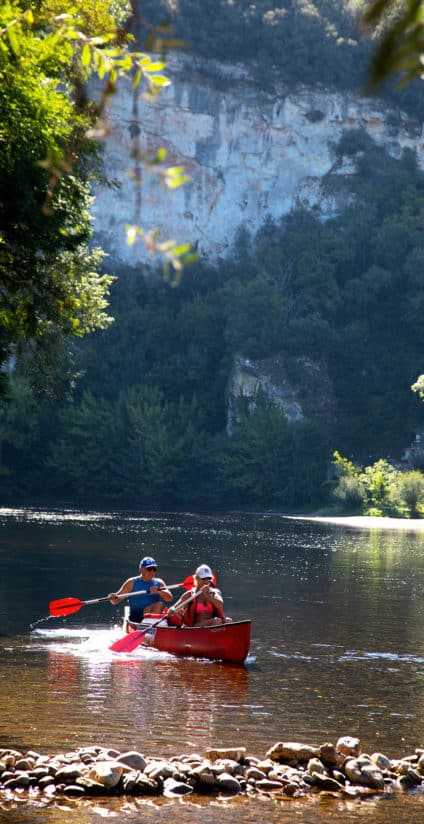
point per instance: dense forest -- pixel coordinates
(137, 411)
(292, 41)
(147, 421)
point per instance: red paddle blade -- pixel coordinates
(129, 641)
(65, 606)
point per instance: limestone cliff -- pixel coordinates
(306, 392)
(250, 154)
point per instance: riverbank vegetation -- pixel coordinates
(148, 420)
(378, 490)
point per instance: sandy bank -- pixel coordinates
(364, 521)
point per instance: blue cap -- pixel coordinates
(147, 562)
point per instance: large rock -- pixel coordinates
(108, 773)
(227, 783)
(176, 788)
(132, 759)
(68, 773)
(292, 751)
(347, 745)
(233, 753)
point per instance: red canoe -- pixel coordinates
(222, 642)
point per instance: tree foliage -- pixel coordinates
(378, 489)
(52, 287)
(292, 41)
(399, 25)
(345, 292)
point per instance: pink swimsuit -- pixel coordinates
(202, 608)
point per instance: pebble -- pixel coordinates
(292, 769)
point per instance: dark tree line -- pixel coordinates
(148, 420)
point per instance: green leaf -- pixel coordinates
(175, 182)
(159, 80)
(137, 79)
(13, 41)
(86, 55)
(182, 249)
(155, 67)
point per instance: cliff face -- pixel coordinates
(308, 393)
(250, 155)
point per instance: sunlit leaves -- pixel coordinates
(400, 50)
(175, 255)
(418, 386)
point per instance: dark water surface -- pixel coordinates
(337, 649)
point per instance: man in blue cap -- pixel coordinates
(151, 596)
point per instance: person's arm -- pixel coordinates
(162, 591)
(126, 587)
(214, 596)
(179, 605)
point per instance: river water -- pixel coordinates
(337, 649)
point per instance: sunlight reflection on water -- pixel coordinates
(337, 647)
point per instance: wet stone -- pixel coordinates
(266, 785)
(381, 761)
(293, 769)
(74, 790)
(324, 782)
(234, 754)
(227, 783)
(68, 773)
(292, 752)
(253, 772)
(133, 759)
(108, 773)
(46, 781)
(349, 746)
(172, 787)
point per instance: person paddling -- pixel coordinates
(152, 593)
(205, 610)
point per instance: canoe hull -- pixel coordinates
(221, 642)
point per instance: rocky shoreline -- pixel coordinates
(287, 770)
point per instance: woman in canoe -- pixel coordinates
(204, 610)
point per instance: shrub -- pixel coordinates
(380, 484)
(349, 492)
(409, 491)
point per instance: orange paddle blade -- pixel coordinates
(65, 606)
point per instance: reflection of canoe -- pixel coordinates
(222, 642)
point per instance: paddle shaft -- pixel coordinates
(130, 594)
(67, 606)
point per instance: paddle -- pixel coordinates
(133, 639)
(67, 606)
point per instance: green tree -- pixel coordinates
(409, 491)
(270, 461)
(88, 455)
(51, 285)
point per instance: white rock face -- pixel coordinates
(250, 155)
